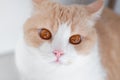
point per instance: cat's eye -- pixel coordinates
(45, 34)
(75, 39)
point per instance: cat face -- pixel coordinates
(60, 33)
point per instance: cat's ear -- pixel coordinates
(37, 3)
(96, 8)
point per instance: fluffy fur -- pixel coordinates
(38, 63)
(34, 56)
(108, 30)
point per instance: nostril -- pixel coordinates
(58, 53)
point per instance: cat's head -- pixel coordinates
(62, 33)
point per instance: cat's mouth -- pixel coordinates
(57, 62)
(62, 63)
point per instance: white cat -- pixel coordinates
(60, 43)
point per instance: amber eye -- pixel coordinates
(75, 39)
(45, 34)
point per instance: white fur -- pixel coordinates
(38, 63)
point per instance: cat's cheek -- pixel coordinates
(50, 60)
(81, 51)
(85, 51)
(85, 48)
(69, 59)
(36, 43)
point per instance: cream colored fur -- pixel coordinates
(95, 58)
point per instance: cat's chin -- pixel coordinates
(60, 64)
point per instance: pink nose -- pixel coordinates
(58, 54)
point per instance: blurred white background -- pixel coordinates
(13, 14)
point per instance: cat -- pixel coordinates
(69, 42)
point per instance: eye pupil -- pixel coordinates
(75, 39)
(45, 34)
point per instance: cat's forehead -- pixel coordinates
(51, 14)
(56, 15)
(63, 14)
